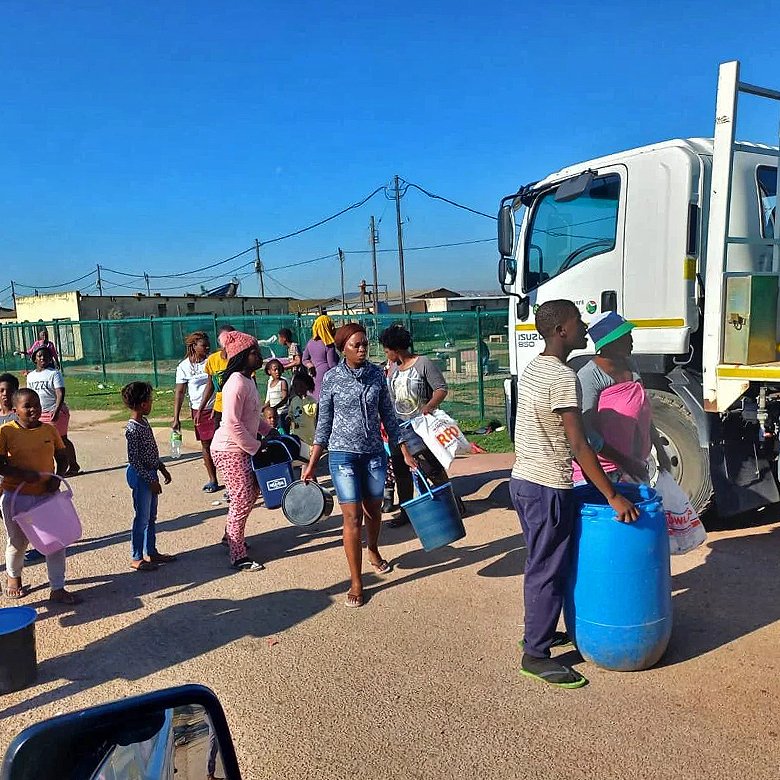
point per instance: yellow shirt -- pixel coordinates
(29, 448)
(215, 365)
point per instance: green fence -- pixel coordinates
(471, 348)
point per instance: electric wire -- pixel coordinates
(447, 200)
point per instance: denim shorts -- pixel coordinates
(357, 477)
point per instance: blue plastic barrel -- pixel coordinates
(434, 514)
(272, 465)
(618, 606)
(18, 659)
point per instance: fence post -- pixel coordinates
(58, 345)
(480, 374)
(154, 352)
(216, 333)
(102, 348)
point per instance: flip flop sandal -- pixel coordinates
(247, 564)
(210, 487)
(553, 673)
(143, 566)
(16, 593)
(353, 601)
(383, 567)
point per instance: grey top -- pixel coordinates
(413, 387)
(594, 380)
(352, 402)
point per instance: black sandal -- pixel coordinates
(551, 672)
(247, 564)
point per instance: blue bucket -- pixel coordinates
(272, 465)
(18, 659)
(434, 514)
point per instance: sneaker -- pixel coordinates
(551, 672)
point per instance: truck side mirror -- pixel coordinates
(506, 230)
(151, 736)
(507, 271)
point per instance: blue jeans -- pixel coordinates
(357, 476)
(143, 538)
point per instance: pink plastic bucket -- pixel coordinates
(51, 525)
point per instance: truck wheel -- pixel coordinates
(690, 463)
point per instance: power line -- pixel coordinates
(302, 262)
(53, 286)
(420, 248)
(447, 200)
(356, 205)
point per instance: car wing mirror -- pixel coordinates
(178, 731)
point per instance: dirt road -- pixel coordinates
(420, 683)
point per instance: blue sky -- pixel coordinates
(159, 137)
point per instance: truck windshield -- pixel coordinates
(766, 178)
(564, 234)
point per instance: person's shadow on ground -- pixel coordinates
(172, 636)
(734, 592)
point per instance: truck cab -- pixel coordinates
(629, 232)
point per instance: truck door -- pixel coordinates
(573, 248)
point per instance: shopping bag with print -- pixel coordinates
(442, 436)
(686, 531)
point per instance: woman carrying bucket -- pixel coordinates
(416, 387)
(235, 441)
(28, 451)
(353, 401)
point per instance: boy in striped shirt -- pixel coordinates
(548, 433)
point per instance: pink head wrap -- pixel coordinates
(235, 342)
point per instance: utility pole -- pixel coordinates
(400, 243)
(259, 269)
(13, 292)
(374, 242)
(99, 282)
(343, 296)
(146, 279)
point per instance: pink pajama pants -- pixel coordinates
(236, 471)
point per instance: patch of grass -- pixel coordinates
(498, 441)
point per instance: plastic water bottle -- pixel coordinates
(175, 444)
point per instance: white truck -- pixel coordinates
(680, 238)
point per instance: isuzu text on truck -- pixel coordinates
(681, 239)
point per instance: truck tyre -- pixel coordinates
(690, 463)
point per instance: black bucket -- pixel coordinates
(306, 503)
(18, 660)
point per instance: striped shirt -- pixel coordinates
(542, 451)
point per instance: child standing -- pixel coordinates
(277, 392)
(9, 384)
(293, 359)
(143, 463)
(303, 411)
(28, 451)
(548, 432)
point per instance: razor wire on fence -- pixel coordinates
(471, 348)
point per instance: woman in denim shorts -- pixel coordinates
(353, 400)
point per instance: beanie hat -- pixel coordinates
(235, 342)
(608, 327)
(345, 332)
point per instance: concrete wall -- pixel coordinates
(126, 306)
(48, 307)
(470, 304)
